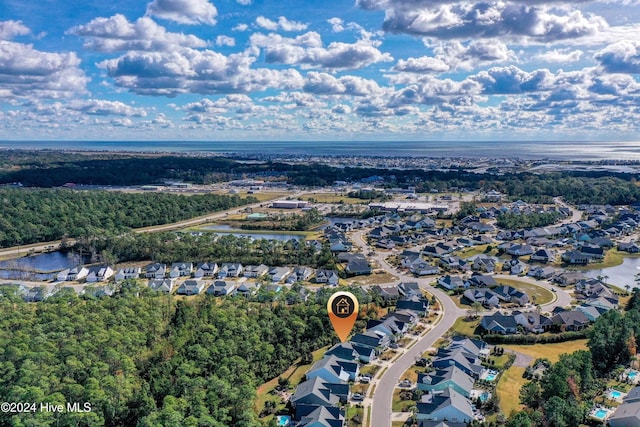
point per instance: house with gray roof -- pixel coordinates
(627, 414)
(180, 269)
(334, 370)
(445, 405)
(510, 294)
(484, 296)
(191, 287)
(314, 392)
(127, 273)
(453, 282)
(441, 424)
(255, 271)
(418, 305)
(155, 271)
(320, 416)
(330, 277)
(449, 377)
(162, 285)
(376, 341)
(278, 274)
(221, 288)
(300, 274)
(230, 269)
(206, 269)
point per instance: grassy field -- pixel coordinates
(536, 293)
(294, 374)
(508, 389)
(399, 405)
(333, 198)
(464, 326)
(549, 351)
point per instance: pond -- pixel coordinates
(620, 275)
(222, 229)
(38, 267)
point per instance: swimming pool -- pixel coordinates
(283, 420)
(484, 396)
(615, 394)
(632, 374)
(600, 414)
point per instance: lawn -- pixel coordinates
(399, 405)
(508, 389)
(549, 351)
(370, 370)
(537, 294)
(465, 326)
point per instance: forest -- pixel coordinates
(168, 247)
(41, 215)
(147, 359)
(51, 168)
(567, 389)
(516, 221)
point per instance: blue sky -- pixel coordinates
(322, 70)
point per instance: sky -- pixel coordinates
(319, 70)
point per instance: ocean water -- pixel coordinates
(554, 150)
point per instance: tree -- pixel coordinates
(531, 394)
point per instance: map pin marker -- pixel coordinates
(343, 312)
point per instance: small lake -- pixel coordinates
(227, 229)
(38, 267)
(620, 275)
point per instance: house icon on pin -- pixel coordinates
(344, 306)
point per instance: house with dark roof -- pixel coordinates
(510, 294)
(351, 352)
(542, 255)
(334, 370)
(540, 272)
(630, 247)
(319, 416)
(206, 269)
(376, 341)
(358, 265)
(486, 265)
(314, 392)
(418, 305)
(453, 282)
(388, 293)
(520, 250)
(441, 424)
(482, 280)
(499, 323)
(514, 266)
(484, 296)
(155, 271)
(567, 320)
(409, 289)
(300, 274)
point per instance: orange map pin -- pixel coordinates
(343, 312)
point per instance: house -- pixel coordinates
(162, 285)
(255, 271)
(631, 247)
(191, 287)
(418, 305)
(520, 250)
(376, 341)
(627, 414)
(483, 281)
(221, 288)
(575, 258)
(409, 289)
(542, 255)
(180, 269)
(483, 264)
(206, 269)
(566, 278)
(314, 392)
(453, 282)
(566, 320)
(39, 293)
(499, 323)
(387, 293)
(247, 289)
(591, 312)
(155, 271)
(461, 357)
(441, 424)
(351, 352)
(334, 370)
(100, 290)
(422, 268)
(593, 251)
(389, 326)
(540, 272)
(99, 274)
(358, 265)
(300, 274)
(445, 405)
(330, 277)
(483, 295)
(70, 274)
(514, 266)
(449, 377)
(454, 262)
(230, 269)
(319, 416)
(511, 294)
(127, 273)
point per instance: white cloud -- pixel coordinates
(194, 71)
(459, 20)
(244, 2)
(424, 64)
(307, 50)
(337, 24)
(117, 34)
(282, 24)
(11, 29)
(188, 12)
(225, 41)
(25, 71)
(560, 56)
(240, 27)
(620, 57)
(103, 108)
(326, 84)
